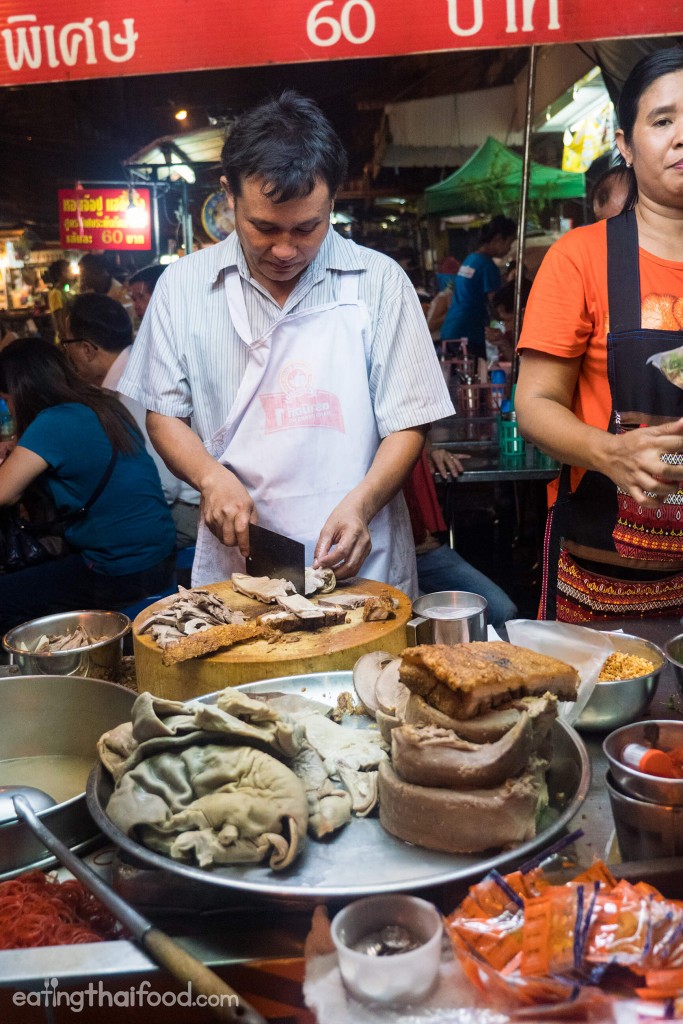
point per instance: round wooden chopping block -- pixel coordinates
(329, 649)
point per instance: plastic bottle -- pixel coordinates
(7, 425)
(649, 760)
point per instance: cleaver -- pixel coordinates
(271, 554)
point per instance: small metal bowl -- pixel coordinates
(663, 733)
(620, 701)
(101, 660)
(673, 650)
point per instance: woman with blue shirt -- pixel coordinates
(78, 440)
(476, 282)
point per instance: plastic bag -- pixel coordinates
(584, 648)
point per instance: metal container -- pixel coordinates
(361, 859)
(645, 831)
(620, 701)
(54, 716)
(448, 617)
(665, 734)
(101, 660)
(673, 650)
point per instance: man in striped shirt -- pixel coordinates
(304, 360)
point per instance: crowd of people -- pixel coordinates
(289, 376)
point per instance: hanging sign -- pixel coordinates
(106, 218)
(41, 41)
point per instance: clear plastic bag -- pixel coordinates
(584, 648)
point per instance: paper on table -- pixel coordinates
(584, 648)
(454, 1000)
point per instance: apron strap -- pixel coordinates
(556, 527)
(623, 273)
(236, 305)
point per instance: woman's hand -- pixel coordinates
(633, 461)
(445, 463)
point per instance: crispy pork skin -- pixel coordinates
(456, 821)
(466, 680)
(426, 755)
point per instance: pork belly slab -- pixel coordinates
(466, 680)
(457, 821)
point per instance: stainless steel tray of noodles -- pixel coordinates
(362, 859)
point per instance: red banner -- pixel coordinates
(106, 218)
(44, 41)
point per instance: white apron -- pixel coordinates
(301, 434)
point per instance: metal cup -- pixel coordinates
(449, 617)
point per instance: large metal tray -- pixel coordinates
(362, 859)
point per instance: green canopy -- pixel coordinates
(490, 182)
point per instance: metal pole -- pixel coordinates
(187, 221)
(521, 222)
(155, 220)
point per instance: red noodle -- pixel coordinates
(37, 910)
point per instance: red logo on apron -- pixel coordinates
(301, 405)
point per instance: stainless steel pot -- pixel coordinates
(54, 715)
(101, 660)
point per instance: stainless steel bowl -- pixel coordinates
(60, 717)
(101, 660)
(645, 831)
(613, 704)
(673, 650)
(663, 733)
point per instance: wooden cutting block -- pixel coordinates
(329, 649)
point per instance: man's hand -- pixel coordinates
(445, 463)
(633, 461)
(344, 541)
(227, 508)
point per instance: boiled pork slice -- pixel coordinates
(261, 588)
(301, 607)
(428, 756)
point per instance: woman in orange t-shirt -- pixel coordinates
(599, 386)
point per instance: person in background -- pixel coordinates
(439, 306)
(610, 192)
(439, 567)
(86, 448)
(99, 346)
(304, 359)
(476, 282)
(60, 277)
(599, 387)
(502, 335)
(95, 276)
(141, 284)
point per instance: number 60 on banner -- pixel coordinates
(334, 29)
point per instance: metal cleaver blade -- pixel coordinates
(271, 554)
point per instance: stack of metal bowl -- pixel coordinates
(619, 701)
(98, 660)
(674, 652)
(647, 809)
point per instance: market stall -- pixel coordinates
(138, 783)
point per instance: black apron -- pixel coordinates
(596, 515)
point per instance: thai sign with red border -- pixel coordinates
(44, 41)
(106, 218)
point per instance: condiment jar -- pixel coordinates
(650, 761)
